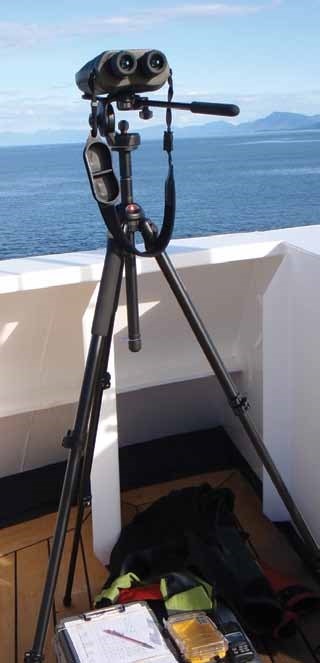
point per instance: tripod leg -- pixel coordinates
(102, 326)
(83, 484)
(85, 478)
(103, 383)
(238, 403)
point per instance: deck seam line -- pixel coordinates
(232, 474)
(46, 538)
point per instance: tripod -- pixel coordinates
(81, 440)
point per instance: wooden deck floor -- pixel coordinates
(24, 551)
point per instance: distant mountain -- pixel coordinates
(216, 128)
(277, 121)
(280, 122)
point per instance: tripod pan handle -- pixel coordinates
(226, 110)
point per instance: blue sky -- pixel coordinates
(263, 55)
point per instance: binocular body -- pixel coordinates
(133, 71)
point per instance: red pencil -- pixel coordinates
(110, 631)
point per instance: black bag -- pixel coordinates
(193, 529)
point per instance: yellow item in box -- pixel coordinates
(197, 637)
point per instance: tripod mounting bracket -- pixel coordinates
(32, 657)
(123, 141)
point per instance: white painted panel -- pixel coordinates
(305, 386)
(33, 439)
(105, 481)
(170, 351)
(277, 382)
(41, 347)
(45, 435)
(171, 409)
(13, 438)
(249, 350)
(291, 385)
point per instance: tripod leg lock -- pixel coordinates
(32, 657)
(106, 381)
(239, 404)
(71, 440)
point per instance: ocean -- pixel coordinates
(224, 185)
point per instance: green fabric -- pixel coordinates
(207, 587)
(196, 598)
(123, 582)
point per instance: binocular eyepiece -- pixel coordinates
(131, 71)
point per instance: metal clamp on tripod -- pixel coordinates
(122, 76)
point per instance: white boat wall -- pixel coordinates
(257, 294)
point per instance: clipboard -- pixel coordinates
(120, 634)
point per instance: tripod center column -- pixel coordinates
(124, 143)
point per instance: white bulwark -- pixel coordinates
(257, 294)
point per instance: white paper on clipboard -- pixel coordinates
(128, 635)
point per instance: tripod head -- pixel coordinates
(104, 118)
(122, 76)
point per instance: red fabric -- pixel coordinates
(146, 593)
(277, 580)
(305, 601)
(291, 593)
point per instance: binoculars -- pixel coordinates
(132, 72)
